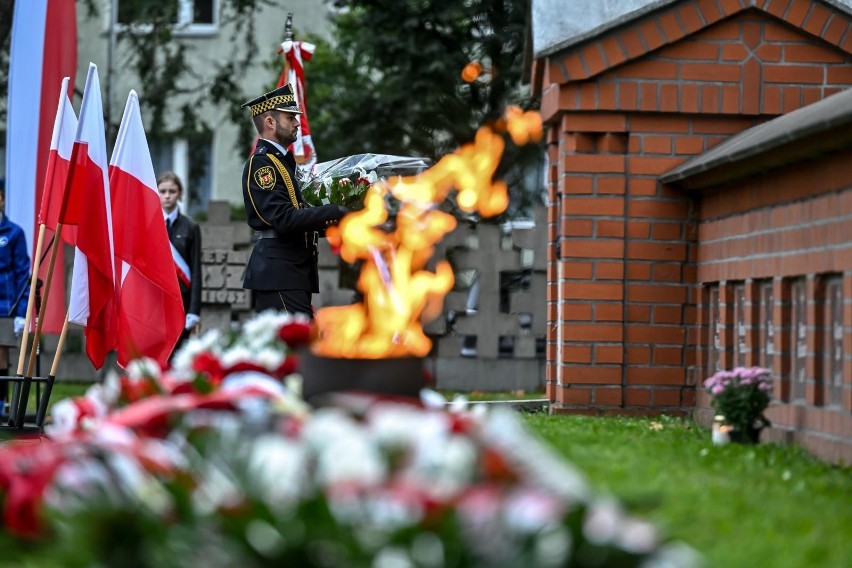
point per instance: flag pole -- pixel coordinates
(288, 36)
(43, 308)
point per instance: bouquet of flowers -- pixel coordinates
(345, 181)
(741, 396)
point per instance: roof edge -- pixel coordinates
(739, 149)
(612, 24)
(640, 13)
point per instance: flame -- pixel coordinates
(398, 291)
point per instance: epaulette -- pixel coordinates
(260, 150)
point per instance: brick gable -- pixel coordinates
(751, 63)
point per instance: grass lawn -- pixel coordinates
(762, 506)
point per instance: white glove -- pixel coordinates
(191, 321)
(18, 324)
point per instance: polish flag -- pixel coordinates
(43, 51)
(150, 308)
(86, 204)
(58, 165)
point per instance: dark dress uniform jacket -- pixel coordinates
(185, 235)
(286, 257)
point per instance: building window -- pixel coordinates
(192, 161)
(189, 16)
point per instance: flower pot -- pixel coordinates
(750, 436)
(389, 377)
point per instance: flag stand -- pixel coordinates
(23, 382)
(17, 418)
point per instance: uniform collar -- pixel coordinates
(276, 145)
(173, 215)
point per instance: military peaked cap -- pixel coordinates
(280, 99)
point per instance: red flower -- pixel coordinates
(26, 469)
(209, 364)
(295, 334)
(133, 390)
(290, 364)
(495, 467)
(243, 366)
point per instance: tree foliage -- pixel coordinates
(392, 80)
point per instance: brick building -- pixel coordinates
(701, 193)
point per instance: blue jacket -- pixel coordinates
(14, 268)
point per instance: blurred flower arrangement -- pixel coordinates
(741, 396)
(216, 462)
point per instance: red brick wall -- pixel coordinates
(621, 109)
(771, 234)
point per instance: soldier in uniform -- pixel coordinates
(282, 269)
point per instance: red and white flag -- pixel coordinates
(87, 205)
(295, 54)
(58, 165)
(43, 51)
(150, 309)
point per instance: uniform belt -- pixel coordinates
(310, 236)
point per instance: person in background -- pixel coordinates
(185, 236)
(282, 268)
(14, 283)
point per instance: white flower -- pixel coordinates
(76, 481)
(236, 354)
(403, 425)
(603, 521)
(70, 415)
(262, 330)
(436, 401)
(105, 394)
(443, 466)
(326, 425)
(529, 511)
(182, 361)
(390, 510)
(218, 489)
(350, 459)
(638, 537)
(134, 481)
(143, 368)
(269, 358)
(278, 469)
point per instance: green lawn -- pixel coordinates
(767, 506)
